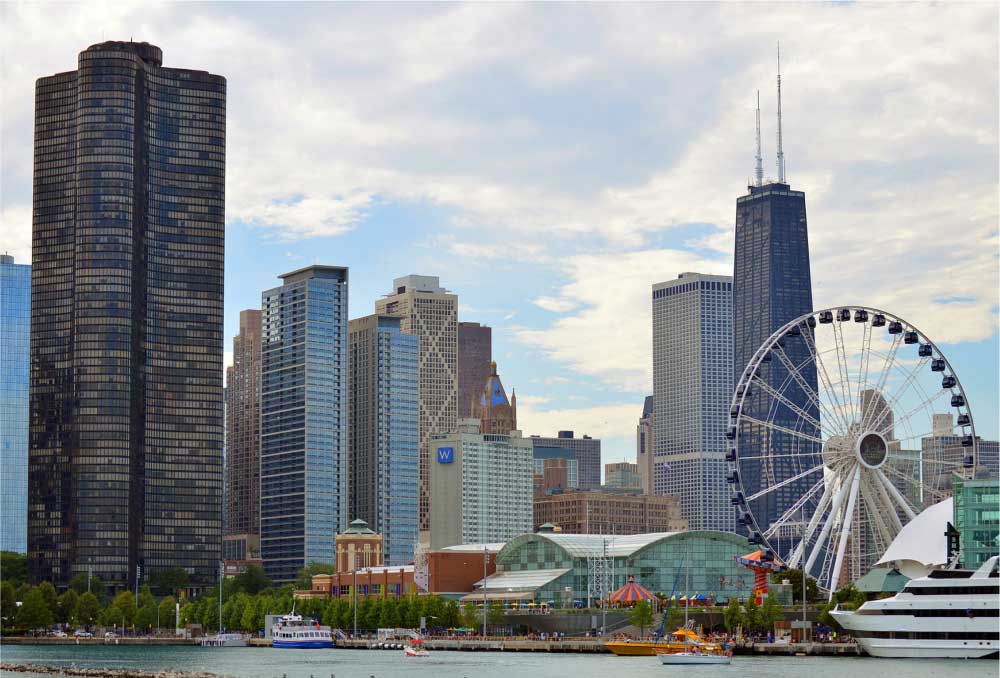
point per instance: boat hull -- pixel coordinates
(942, 649)
(693, 659)
(644, 649)
(317, 644)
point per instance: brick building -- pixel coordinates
(607, 513)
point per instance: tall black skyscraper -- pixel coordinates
(772, 286)
(125, 459)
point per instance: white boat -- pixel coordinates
(693, 658)
(415, 651)
(224, 640)
(293, 632)
(949, 613)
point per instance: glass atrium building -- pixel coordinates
(15, 332)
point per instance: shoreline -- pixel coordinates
(101, 673)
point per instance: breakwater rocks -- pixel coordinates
(100, 673)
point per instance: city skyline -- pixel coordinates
(896, 166)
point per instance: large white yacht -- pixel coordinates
(948, 613)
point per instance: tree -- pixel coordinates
(304, 581)
(170, 581)
(253, 580)
(65, 606)
(470, 618)
(495, 614)
(145, 597)
(87, 610)
(168, 611)
(14, 567)
(8, 603)
(641, 615)
(34, 613)
(123, 607)
(849, 597)
(770, 612)
(794, 578)
(751, 615)
(733, 615)
(450, 615)
(48, 592)
(79, 584)
(145, 616)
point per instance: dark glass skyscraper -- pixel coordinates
(125, 456)
(772, 286)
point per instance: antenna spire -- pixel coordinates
(758, 171)
(781, 152)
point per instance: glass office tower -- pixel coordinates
(15, 330)
(772, 286)
(125, 459)
(384, 444)
(303, 455)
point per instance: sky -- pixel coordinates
(551, 162)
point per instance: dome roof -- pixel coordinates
(921, 545)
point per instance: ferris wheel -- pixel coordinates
(845, 424)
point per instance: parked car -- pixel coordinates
(110, 634)
(59, 634)
(80, 633)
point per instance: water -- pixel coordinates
(271, 663)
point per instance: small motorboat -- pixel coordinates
(694, 658)
(416, 649)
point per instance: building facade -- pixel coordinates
(976, 516)
(429, 312)
(587, 451)
(125, 456)
(475, 353)
(15, 338)
(555, 470)
(303, 455)
(359, 546)
(384, 405)
(772, 286)
(644, 448)
(495, 412)
(623, 475)
(481, 486)
(243, 440)
(692, 388)
(591, 512)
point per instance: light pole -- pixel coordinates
(354, 593)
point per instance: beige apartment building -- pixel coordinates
(609, 513)
(430, 312)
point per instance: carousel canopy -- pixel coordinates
(756, 561)
(632, 592)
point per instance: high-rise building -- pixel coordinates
(384, 405)
(622, 475)
(495, 412)
(692, 388)
(771, 287)
(644, 450)
(125, 460)
(475, 353)
(555, 470)
(303, 449)
(429, 312)
(609, 513)
(587, 451)
(15, 333)
(976, 516)
(243, 441)
(481, 486)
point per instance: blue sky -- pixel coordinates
(551, 162)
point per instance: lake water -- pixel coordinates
(272, 663)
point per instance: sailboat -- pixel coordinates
(696, 653)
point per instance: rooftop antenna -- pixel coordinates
(758, 171)
(781, 153)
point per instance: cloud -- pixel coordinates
(602, 421)
(555, 304)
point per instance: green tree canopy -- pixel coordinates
(794, 577)
(752, 619)
(8, 603)
(48, 592)
(34, 613)
(169, 581)
(145, 617)
(87, 610)
(168, 608)
(14, 567)
(124, 603)
(849, 597)
(254, 580)
(79, 584)
(770, 612)
(495, 614)
(470, 616)
(641, 615)
(66, 606)
(733, 615)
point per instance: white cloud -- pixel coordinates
(603, 421)
(555, 304)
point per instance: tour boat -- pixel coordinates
(224, 640)
(948, 613)
(293, 632)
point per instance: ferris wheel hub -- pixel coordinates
(872, 449)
